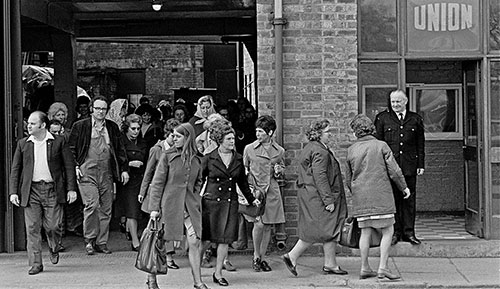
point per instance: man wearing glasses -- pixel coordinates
(100, 158)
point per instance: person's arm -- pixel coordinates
(420, 146)
(158, 183)
(154, 155)
(379, 128)
(319, 165)
(69, 171)
(244, 186)
(348, 174)
(393, 169)
(15, 171)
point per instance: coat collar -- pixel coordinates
(217, 162)
(322, 146)
(48, 137)
(366, 138)
(262, 152)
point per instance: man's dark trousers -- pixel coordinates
(405, 209)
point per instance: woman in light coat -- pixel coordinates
(321, 200)
(370, 169)
(175, 196)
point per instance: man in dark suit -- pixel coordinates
(42, 179)
(100, 158)
(404, 133)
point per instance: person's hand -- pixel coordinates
(79, 174)
(420, 172)
(406, 193)
(14, 199)
(278, 169)
(140, 198)
(71, 197)
(330, 208)
(135, 164)
(154, 214)
(125, 178)
(256, 203)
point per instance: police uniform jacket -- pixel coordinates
(406, 139)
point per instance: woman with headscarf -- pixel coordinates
(204, 108)
(117, 111)
(321, 200)
(370, 169)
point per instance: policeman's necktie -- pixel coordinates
(401, 117)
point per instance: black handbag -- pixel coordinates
(152, 255)
(250, 209)
(351, 233)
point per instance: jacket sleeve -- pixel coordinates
(154, 155)
(16, 169)
(158, 183)
(69, 166)
(348, 175)
(73, 142)
(420, 143)
(393, 168)
(244, 187)
(121, 153)
(319, 166)
(379, 127)
(198, 183)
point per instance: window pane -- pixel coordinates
(438, 107)
(378, 26)
(377, 81)
(376, 100)
(494, 25)
(495, 104)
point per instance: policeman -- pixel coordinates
(403, 131)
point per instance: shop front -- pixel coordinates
(446, 55)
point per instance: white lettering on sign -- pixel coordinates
(443, 17)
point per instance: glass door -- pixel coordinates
(471, 147)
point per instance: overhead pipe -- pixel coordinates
(279, 22)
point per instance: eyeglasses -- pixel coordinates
(100, 108)
(135, 128)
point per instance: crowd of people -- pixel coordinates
(192, 174)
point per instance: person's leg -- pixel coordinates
(257, 234)
(152, 282)
(329, 251)
(52, 220)
(132, 228)
(266, 237)
(408, 208)
(90, 199)
(297, 251)
(221, 256)
(242, 242)
(364, 248)
(105, 208)
(33, 223)
(194, 258)
(398, 201)
(385, 245)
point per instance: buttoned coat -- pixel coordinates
(260, 163)
(320, 183)
(220, 200)
(406, 140)
(175, 188)
(61, 166)
(370, 168)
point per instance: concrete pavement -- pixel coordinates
(77, 270)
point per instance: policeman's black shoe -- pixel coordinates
(413, 240)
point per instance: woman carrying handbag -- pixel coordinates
(175, 191)
(370, 169)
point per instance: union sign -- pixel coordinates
(443, 26)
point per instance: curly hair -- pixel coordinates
(219, 129)
(362, 126)
(55, 108)
(315, 129)
(131, 118)
(169, 125)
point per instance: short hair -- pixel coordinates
(398, 92)
(266, 122)
(43, 118)
(315, 129)
(131, 118)
(170, 124)
(55, 108)
(219, 129)
(183, 108)
(144, 99)
(362, 126)
(146, 107)
(100, 97)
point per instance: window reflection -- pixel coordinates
(438, 107)
(494, 25)
(378, 26)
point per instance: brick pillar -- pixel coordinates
(65, 72)
(320, 76)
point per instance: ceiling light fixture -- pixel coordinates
(156, 4)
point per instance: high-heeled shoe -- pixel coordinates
(221, 281)
(385, 273)
(135, 249)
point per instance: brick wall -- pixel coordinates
(320, 76)
(166, 65)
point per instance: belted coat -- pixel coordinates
(175, 188)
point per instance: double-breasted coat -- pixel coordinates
(320, 180)
(260, 163)
(175, 188)
(220, 200)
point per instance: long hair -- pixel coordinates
(189, 150)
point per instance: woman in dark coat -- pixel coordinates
(175, 192)
(370, 169)
(223, 169)
(321, 200)
(137, 155)
(151, 132)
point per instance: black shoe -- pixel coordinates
(412, 239)
(61, 248)
(135, 249)
(336, 271)
(289, 264)
(264, 266)
(221, 281)
(35, 269)
(54, 257)
(152, 284)
(256, 265)
(171, 265)
(102, 249)
(123, 225)
(201, 286)
(394, 240)
(89, 248)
